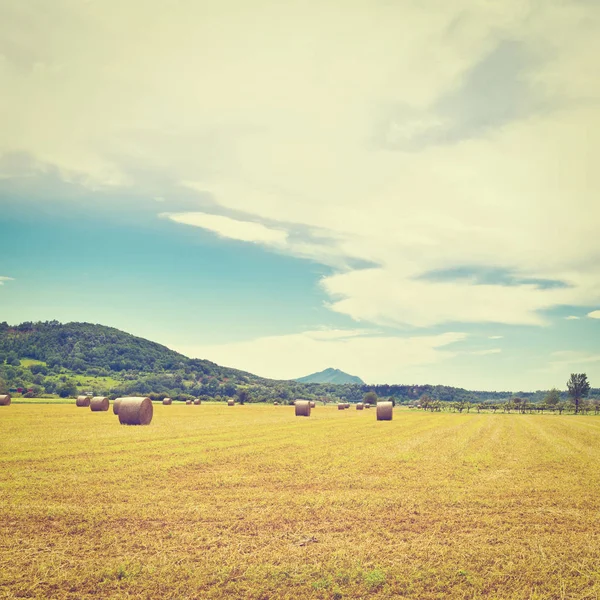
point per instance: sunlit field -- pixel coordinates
(251, 502)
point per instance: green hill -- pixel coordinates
(83, 346)
(52, 356)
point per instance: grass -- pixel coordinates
(252, 502)
(28, 362)
(87, 383)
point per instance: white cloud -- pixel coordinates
(572, 318)
(486, 352)
(495, 337)
(374, 130)
(231, 228)
(374, 358)
(595, 314)
(569, 358)
(3, 279)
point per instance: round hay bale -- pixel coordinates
(367, 406)
(99, 404)
(135, 411)
(385, 410)
(341, 406)
(230, 402)
(116, 405)
(188, 401)
(302, 408)
(347, 405)
(197, 401)
(167, 401)
(312, 403)
(359, 406)
(82, 401)
(5, 400)
(275, 403)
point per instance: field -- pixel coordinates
(251, 502)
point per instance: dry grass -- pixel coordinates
(216, 504)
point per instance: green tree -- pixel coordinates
(66, 389)
(13, 360)
(579, 387)
(552, 398)
(370, 398)
(425, 401)
(243, 395)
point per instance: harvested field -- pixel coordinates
(216, 504)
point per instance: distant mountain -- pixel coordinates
(330, 376)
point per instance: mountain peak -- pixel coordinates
(330, 375)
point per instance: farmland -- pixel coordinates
(250, 502)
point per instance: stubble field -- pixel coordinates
(251, 502)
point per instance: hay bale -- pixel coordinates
(367, 406)
(385, 410)
(230, 402)
(135, 411)
(99, 404)
(5, 400)
(188, 401)
(197, 401)
(116, 405)
(347, 404)
(275, 403)
(82, 401)
(359, 406)
(167, 401)
(312, 403)
(302, 408)
(341, 406)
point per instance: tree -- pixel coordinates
(370, 398)
(579, 387)
(552, 398)
(243, 396)
(425, 401)
(68, 388)
(12, 359)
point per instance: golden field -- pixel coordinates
(251, 502)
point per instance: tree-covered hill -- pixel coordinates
(83, 346)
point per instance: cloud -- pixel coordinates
(3, 279)
(486, 352)
(375, 358)
(231, 228)
(568, 358)
(572, 318)
(495, 337)
(416, 138)
(595, 314)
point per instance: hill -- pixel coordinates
(84, 346)
(330, 376)
(66, 359)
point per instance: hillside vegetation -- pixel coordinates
(66, 359)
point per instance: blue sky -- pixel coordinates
(405, 191)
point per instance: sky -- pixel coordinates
(404, 190)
